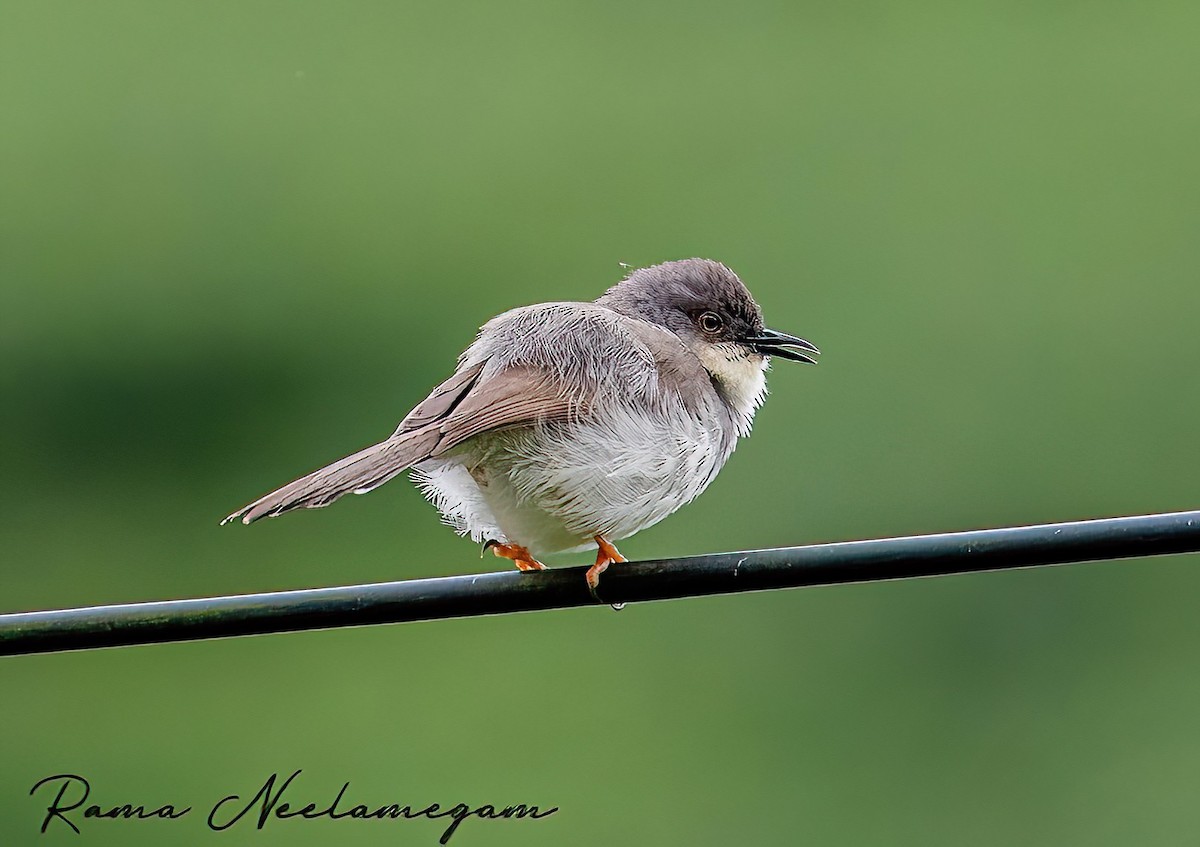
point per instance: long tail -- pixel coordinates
(363, 471)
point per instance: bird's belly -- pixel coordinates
(554, 487)
(479, 500)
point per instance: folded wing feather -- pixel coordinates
(463, 406)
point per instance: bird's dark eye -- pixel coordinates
(710, 322)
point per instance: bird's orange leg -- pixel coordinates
(520, 556)
(605, 556)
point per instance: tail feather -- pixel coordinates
(358, 473)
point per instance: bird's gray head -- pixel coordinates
(711, 311)
(706, 305)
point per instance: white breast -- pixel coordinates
(554, 486)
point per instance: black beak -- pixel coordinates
(772, 343)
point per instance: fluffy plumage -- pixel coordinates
(565, 421)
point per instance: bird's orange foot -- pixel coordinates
(605, 556)
(520, 556)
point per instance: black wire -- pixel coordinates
(512, 591)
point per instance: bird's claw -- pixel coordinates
(515, 553)
(606, 555)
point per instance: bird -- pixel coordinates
(569, 426)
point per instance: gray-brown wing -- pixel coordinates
(517, 396)
(442, 400)
(463, 406)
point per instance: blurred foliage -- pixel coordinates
(238, 240)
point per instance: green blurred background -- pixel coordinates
(238, 240)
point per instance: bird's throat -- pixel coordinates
(740, 379)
